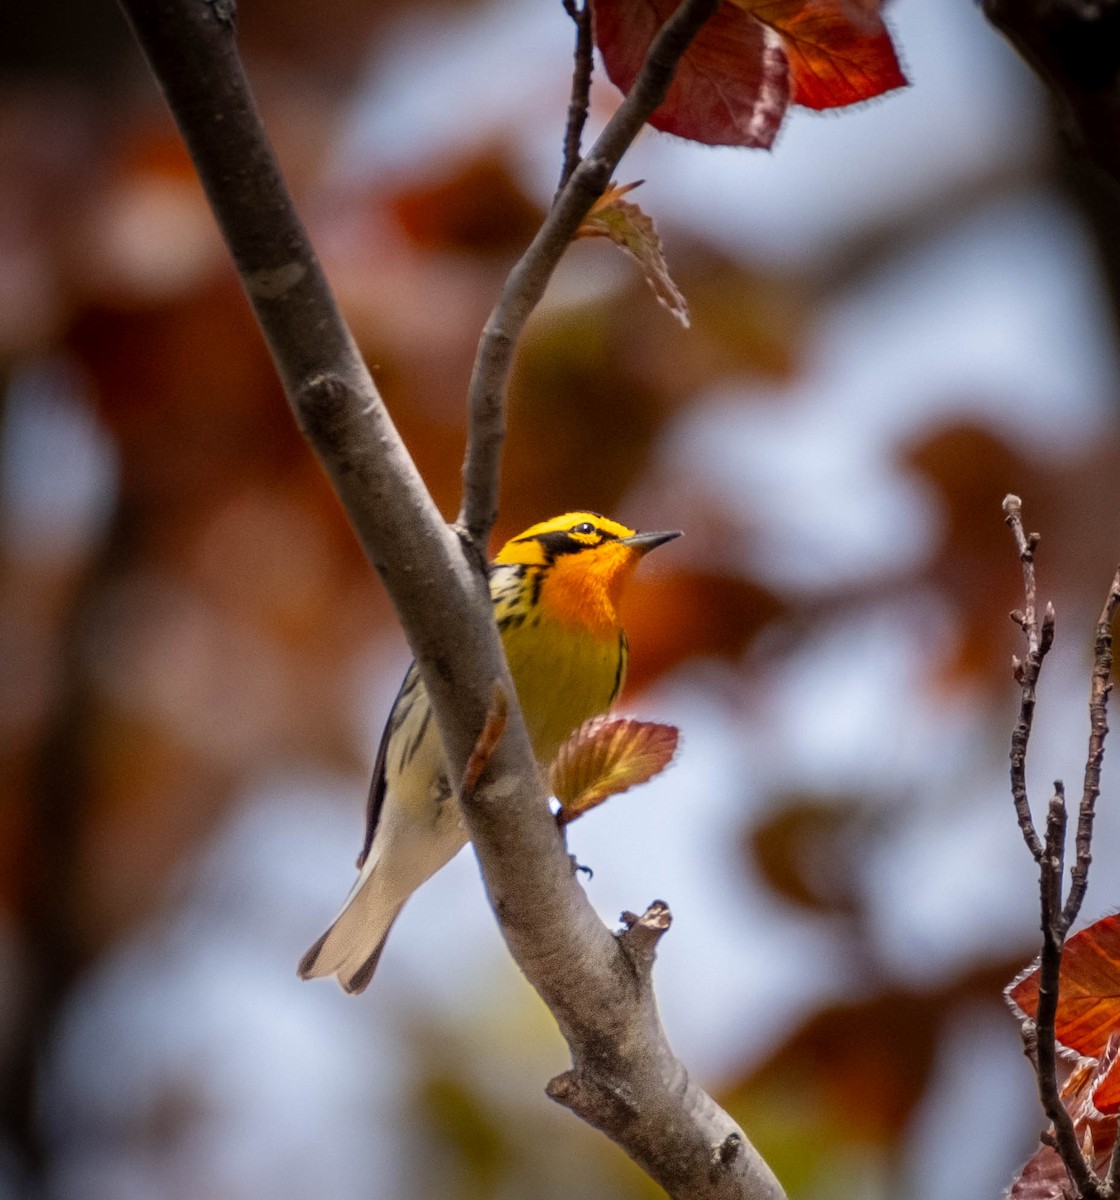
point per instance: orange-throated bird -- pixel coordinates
(555, 590)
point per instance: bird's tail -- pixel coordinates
(352, 945)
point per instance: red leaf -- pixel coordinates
(1089, 993)
(1106, 1087)
(731, 87)
(605, 756)
(839, 51)
(736, 80)
(1044, 1177)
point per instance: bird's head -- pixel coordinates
(587, 559)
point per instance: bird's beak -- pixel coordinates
(645, 542)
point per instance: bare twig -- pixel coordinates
(1026, 672)
(1099, 692)
(527, 281)
(1039, 1036)
(580, 12)
(1049, 974)
(664, 1121)
(1114, 1170)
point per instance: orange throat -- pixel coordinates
(583, 590)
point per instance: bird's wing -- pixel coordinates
(376, 797)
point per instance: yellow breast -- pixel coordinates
(563, 675)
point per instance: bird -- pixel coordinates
(555, 590)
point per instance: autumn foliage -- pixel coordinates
(204, 645)
(752, 60)
(1087, 1029)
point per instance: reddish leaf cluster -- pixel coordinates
(1088, 1025)
(751, 61)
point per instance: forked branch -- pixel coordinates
(595, 983)
(526, 283)
(1058, 915)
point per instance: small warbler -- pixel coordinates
(555, 590)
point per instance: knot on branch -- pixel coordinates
(603, 1102)
(225, 11)
(638, 941)
(725, 1154)
(472, 541)
(324, 406)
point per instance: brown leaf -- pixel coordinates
(605, 756)
(630, 229)
(809, 848)
(478, 207)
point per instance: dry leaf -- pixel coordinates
(628, 227)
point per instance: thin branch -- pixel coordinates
(1039, 1035)
(1088, 1183)
(1114, 1170)
(1099, 691)
(527, 281)
(603, 1005)
(1074, 47)
(581, 88)
(1039, 639)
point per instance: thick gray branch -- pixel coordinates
(625, 1078)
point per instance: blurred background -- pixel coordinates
(902, 313)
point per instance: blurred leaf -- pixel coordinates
(743, 321)
(970, 470)
(1089, 989)
(839, 51)
(464, 1127)
(857, 1072)
(606, 756)
(670, 618)
(478, 207)
(582, 417)
(731, 87)
(630, 229)
(810, 850)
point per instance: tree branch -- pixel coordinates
(581, 87)
(1039, 1035)
(526, 283)
(1039, 639)
(1099, 691)
(625, 1078)
(1074, 47)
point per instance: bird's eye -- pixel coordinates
(583, 527)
